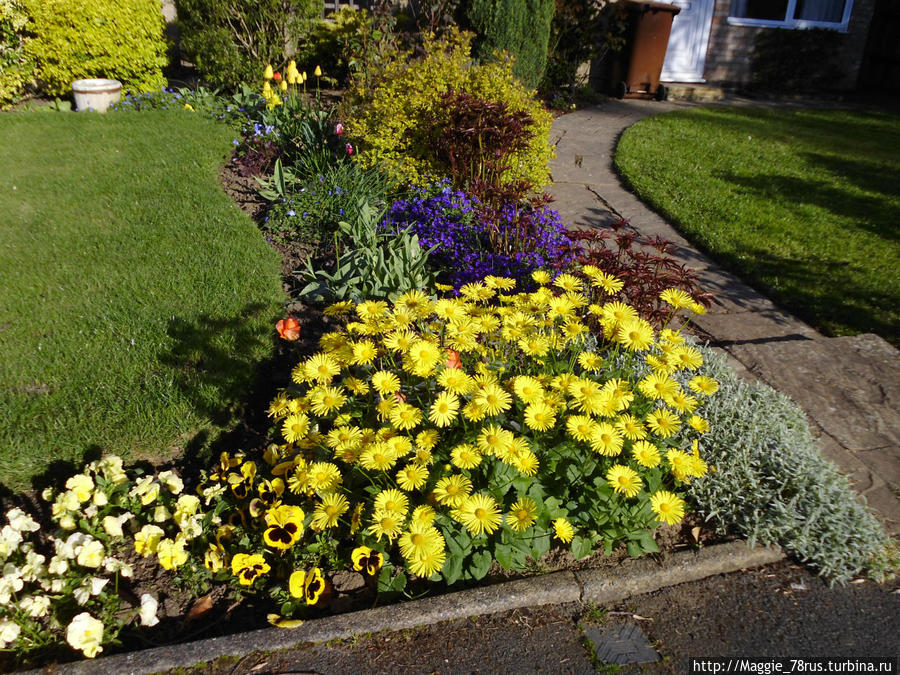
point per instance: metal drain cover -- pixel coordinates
(620, 644)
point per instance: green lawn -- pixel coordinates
(136, 298)
(803, 204)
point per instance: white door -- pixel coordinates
(686, 53)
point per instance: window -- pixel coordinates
(792, 13)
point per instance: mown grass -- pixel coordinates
(803, 204)
(136, 298)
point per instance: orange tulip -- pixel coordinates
(288, 329)
(453, 361)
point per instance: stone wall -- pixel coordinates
(728, 55)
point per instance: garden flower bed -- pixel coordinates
(474, 393)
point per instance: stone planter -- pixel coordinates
(96, 94)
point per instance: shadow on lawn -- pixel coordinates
(222, 370)
(824, 293)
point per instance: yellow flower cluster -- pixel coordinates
(415, 398)
(292, 77)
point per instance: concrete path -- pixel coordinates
(849, 387)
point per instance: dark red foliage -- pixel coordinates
(643, 264)
(256, 157)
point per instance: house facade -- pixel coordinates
(711, 40)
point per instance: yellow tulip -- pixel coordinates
(283, 85)
(317, 72)
(267, 75)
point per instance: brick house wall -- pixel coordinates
(728, 55)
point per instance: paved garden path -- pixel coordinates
(848, 386)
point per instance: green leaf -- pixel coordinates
(540, 545)
(453, 568)
(634, 549)
(504, 556)
(582, 547)
(481, 563)
(648, 543)
(388, 582)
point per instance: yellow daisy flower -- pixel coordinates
(522, 514)
(465, 456)
(645, 453)
(412, 477)
(444, 409)
(385, 382)
(540, 416)
(663, 422)
(563, 530)
(393, 502)
(452, 490)
(492, 399)
(669, 508)
(479, 514)
(676, 298)
(702, 384)
(623, 480)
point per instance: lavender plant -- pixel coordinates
(773, 485)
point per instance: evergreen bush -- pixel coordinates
(520, 27)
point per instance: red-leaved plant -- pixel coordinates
(644, 265)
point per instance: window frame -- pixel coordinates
(795, 24)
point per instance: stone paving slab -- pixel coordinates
(849, 387)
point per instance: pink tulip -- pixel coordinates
(349, 149)
(338, 128)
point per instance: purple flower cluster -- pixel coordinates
(471, 244)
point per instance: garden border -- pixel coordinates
(597, 586)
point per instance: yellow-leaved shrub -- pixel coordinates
(76, 39)
(387, 119)
(15, 68)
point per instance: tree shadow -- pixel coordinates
(879, 215)
(824, 293)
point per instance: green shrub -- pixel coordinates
(520, 27)
(333, 44)
(118, 39)
(772, 485)
(388, 122)
(232, 41)
(581, 31)
(15, 66)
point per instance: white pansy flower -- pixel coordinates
(161, 514)
(81, 485)
(11, 582)
(174, 484)
(9, 541)
(35, 606)
(21, 521)
(111, 467)
(114, 565)
(149, 606)
(58, 565)
(33, 569)
(85, 633)
(91, 554)
(9, 632)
